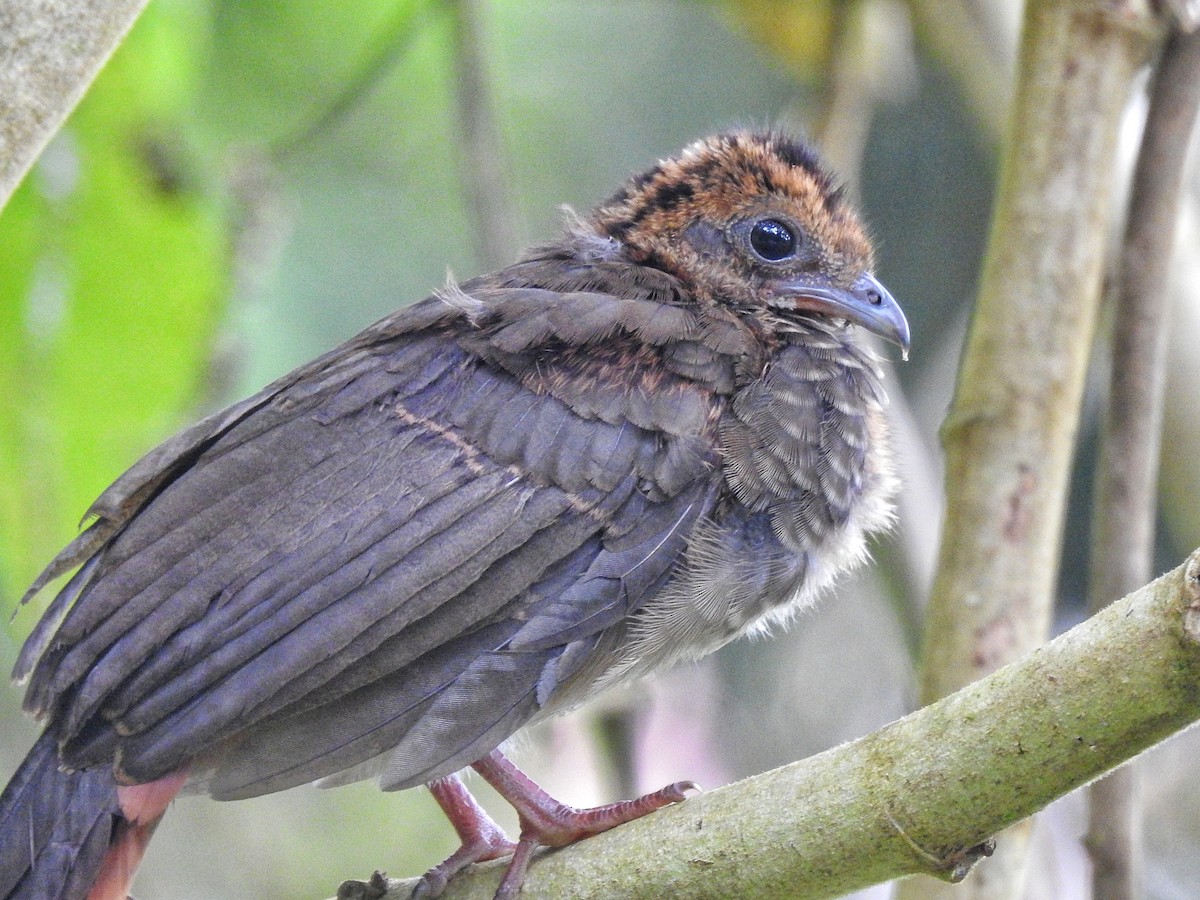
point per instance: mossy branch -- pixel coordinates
(921, 794)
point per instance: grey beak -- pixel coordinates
(866, 302)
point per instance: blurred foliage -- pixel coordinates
(113, 265)
(799, 36)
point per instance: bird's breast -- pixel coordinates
(805, 441)
(806, 476)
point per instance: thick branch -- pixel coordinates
(914, 795)
(1010, 434)
(50, 50)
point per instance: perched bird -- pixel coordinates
(640, 441)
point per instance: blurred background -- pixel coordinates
(248, 184)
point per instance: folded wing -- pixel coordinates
(389, 560)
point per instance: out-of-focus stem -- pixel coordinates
(1123, 536)
(482, 153)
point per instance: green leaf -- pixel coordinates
(113, 270)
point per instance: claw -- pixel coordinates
(544, 823)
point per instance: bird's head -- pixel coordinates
(751, 221)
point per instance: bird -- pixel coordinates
(657, 432)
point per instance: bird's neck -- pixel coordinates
(804, 432)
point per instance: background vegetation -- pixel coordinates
(249, 183)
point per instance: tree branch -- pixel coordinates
(1010, 434)
(953, 34)
(50, 51)
(917, 794)
(1127, 477)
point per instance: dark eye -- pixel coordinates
(772, 240)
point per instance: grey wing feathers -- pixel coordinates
(389, 551)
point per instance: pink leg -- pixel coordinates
(482, 839)
(547, 823)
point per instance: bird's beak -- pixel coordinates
(866, 302)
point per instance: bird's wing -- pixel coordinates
(410, 542)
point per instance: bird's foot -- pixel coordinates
(482, 839)
(545, 822)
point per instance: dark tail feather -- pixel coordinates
(55, 827)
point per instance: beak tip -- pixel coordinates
(866, 303)
(893, 324)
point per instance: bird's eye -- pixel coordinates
(772, 240)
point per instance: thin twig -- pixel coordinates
(1126, 481)
(482, 153)
(386, 50)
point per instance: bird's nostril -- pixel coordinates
(874, 297)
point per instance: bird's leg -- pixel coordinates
(547, 823)
(482, 839)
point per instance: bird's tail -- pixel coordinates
(73, 835)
